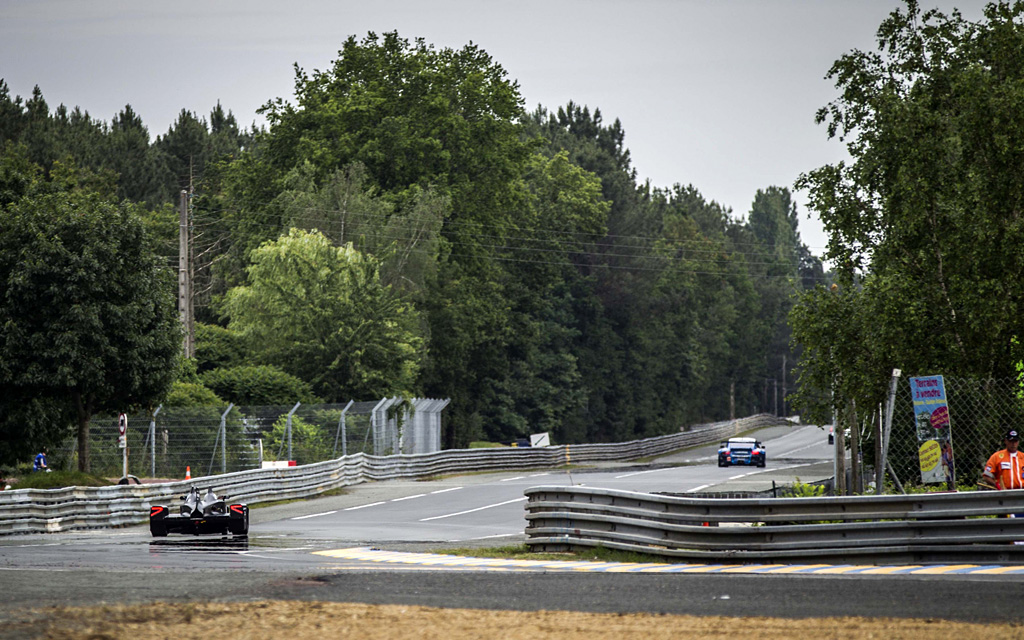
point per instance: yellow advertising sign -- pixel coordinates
(930, 456)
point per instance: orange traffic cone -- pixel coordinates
(188, 473)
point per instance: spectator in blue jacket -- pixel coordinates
(40, 463)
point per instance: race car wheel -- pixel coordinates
(241, 527)
(761, 464)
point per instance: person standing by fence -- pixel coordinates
(1005, 468)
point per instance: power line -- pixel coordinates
(485, 226)
(574, 246)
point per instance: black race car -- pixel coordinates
(741, 451)
(196, 515)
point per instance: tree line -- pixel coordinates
(401, 226)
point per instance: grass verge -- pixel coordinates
(59, 480)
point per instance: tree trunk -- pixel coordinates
(839, 420)
(84, 416)
(732, 400)
(858, 477)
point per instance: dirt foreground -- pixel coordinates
(298, 620)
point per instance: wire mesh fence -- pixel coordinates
(979, 413)
(209, 440)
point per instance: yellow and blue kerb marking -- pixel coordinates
(367, 554)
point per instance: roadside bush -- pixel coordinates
(218, 348)
(257, 386)
(188, 394)
(802, 490)
(310, 442)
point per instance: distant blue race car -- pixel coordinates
(741, 451)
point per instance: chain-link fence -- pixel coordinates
(979, 413)
(210, 440)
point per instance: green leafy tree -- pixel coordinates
(310, 442)
(218, 347)
(347, 209)
(257, 385)
(923, 222)
(141, 168)
(443, 124)
(191, 395)
(19, 176)
(87, 317)
(321, 313)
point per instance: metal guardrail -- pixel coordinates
(56, 510)
(918, 528)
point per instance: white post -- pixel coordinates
(887, 428)
(223, 439)
(122, 426)
(376, 426)
(341, 432)
(152, 442)
(290, 413)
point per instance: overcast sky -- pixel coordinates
(720, 95)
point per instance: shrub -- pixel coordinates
(188, 394)
(218, 348)
(257, 385)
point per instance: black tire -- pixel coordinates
(241, 527)
(721, 464)
(158, 529)
(761, 464)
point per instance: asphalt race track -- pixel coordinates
(326, 549)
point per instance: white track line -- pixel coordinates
(445, 490)
(450, 515)
(315, 515)
(363, 506)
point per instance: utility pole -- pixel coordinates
(185, 277)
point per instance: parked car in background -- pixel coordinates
(746, 451)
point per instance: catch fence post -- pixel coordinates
(290, 414)
(341, 432)
(152, 442)
(887, 431)
(224, 438)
